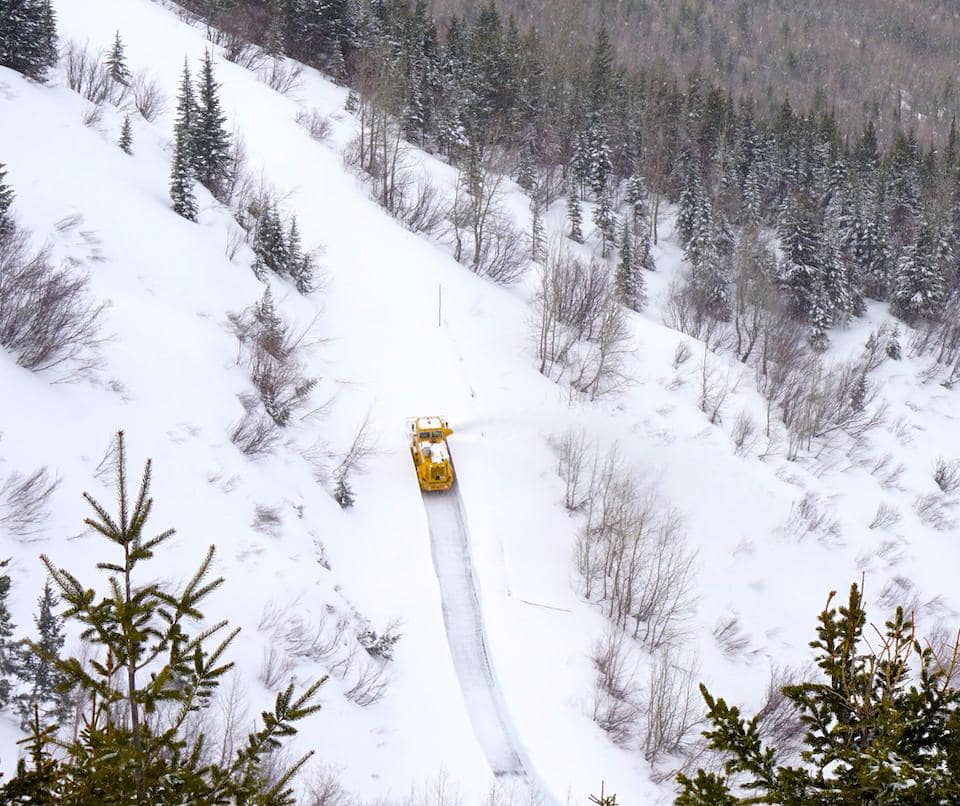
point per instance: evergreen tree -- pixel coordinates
(629, 276)
(918, 286)
(28, 36)
(6, 200)
(117, 63)
(181, 171)
(38, 667)
(300, 263)
(269, 244)
(181, 176)
(126, 136)
(599, 166)
(691, 201)
(801, 270)
(881, 726)
(9, 666)
(537, 238)
(605, 221)
(575, 215)
(636, 198)
(211, 143)
(152, 668)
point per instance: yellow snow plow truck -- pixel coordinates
(431, 454)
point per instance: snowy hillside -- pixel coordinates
(768, 534)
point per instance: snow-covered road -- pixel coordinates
(465, 634)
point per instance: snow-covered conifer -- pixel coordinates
(918, 286)
(6, 200)
(28, 36)
(575, 215)
(9, 655)
(117, 63)
(126, 136)
(605, 221)
(38, 669)
(211, 143)
(537, 237)
(629, 275)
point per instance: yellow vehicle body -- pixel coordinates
(431, 454)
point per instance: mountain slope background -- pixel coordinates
(890, 63)
(769, 536)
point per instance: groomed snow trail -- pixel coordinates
(465, 634)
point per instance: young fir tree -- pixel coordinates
(126, 136)
(152, 671)
(537, 238)
(28, 36)
(300, 263)
(181, 171)
(270, 248)
(918, 288)
(9, 656)
(605, 221)
(211, 143)
(6, 201)
(44, 682)
(629, 275)
(603, 799)
(575, 215)
(881, 725)
(117, 63)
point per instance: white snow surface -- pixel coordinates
(171, 380)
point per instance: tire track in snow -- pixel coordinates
(467, 640)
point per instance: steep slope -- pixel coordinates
(172, 380)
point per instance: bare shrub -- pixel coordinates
(420, 207)
(92, 115)
(713, 389)
(887, 473)
(324, 789)
(578, 325)
(272, 349)
(616, 692)
(941, 340)
(745, 434)
(275, 666)
(148, 97)
(572, 455)
(819, 403)
(47, 318)
(632, 557)
(267, 520)
(682, 313)
(777, 719)
(370, 685)
(681, 354)
(672, 708)
(353, 460)
(281, 75)
(947, 474)
(255, 433)
(315, 122)
(87, 73)
(809, 516)
(934, 511)
(25, 503)
(887, 516)
(729, 635)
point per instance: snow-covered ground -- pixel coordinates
(171, 380)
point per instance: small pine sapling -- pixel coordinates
(126, 136)
(117, 63)
(9, 656)
(38, 667)
(575, 215)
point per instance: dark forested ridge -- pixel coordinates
(888, 61)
